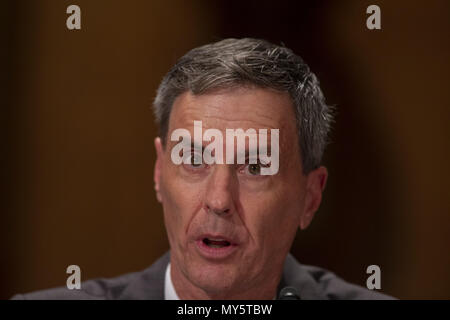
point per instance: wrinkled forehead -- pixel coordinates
(239, 108)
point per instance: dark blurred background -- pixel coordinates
(77, 134)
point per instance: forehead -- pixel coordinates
(235, 108)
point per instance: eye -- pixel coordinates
(193, 160)
(254, 169)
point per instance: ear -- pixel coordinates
(315, 184)
(158, 164)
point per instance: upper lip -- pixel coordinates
(217, 236)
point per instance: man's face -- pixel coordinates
(229, 228)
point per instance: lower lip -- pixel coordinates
(215, 253)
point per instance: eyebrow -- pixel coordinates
(247, 152)
(193, 145)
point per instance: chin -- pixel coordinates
(214, 278)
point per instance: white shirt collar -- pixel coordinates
(169, 290)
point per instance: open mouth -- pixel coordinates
(216, 243)
(216, 247)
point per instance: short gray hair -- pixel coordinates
(237, 62)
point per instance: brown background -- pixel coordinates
(77, 134)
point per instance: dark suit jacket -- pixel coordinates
(310, 282)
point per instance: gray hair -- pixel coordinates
(237, 62)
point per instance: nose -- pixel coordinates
(221, 188)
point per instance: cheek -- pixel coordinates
(272, 219)
(180, 202)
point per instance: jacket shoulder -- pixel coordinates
(96, 289)
(317, 283)
(146, 284)
(334, 288)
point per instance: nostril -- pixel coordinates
(219, 212)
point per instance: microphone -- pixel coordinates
(288, 293)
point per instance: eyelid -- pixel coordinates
(193, 152)
(258, 161)
(244, 169)
(193, 166)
